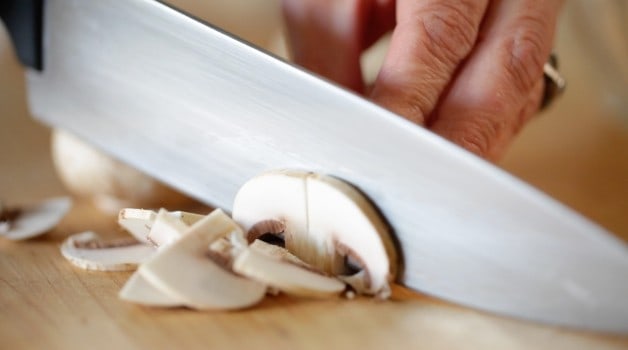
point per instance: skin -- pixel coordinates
(469, 70)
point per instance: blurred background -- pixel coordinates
(577, 152)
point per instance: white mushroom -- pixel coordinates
(138, 290)
(33, 220)
(278, 253)
(166, 229)
(323, 221)
(138, 222)
(185, 271)
(186, 217)
(284, 275)
(88, 251)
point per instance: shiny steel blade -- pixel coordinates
(204, 113)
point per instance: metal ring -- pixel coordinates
(554, 83)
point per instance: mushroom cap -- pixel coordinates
(355, 226)
(272, 202)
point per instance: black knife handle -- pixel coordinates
(24, 22)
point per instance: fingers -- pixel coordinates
(329, 36)
(431, 39)
(492, 95)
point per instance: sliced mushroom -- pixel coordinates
(279, 253)
(33, 220)
(323, 221)
(137, 222)
(138, 290)
(184, 270)
(166, 229)
(88, 251)
(284, 275)
(186, 217)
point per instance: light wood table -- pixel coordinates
(578, 153)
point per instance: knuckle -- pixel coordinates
(406, 101)
(480, 135)
(527, 50)
(449, 31)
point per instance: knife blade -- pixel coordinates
(204, 112)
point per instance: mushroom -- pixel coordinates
(185, 271)
(33, 220)
(279, 253)
(139, 222)
(88, 251)
(138, 290)
(165, 229)
(281, 273)
(325, 222)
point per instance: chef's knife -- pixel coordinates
(204, 112)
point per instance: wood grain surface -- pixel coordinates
(577, 152)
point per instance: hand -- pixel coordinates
(469, 70)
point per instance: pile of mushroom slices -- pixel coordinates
(294, 232)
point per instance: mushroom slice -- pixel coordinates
(184, 270)
(88, 251)
(137, 222)
(279, 253)
(166, 229)
(285, 276)
(35, 220)
(138, 290)
(186, 217)
(324, 221)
